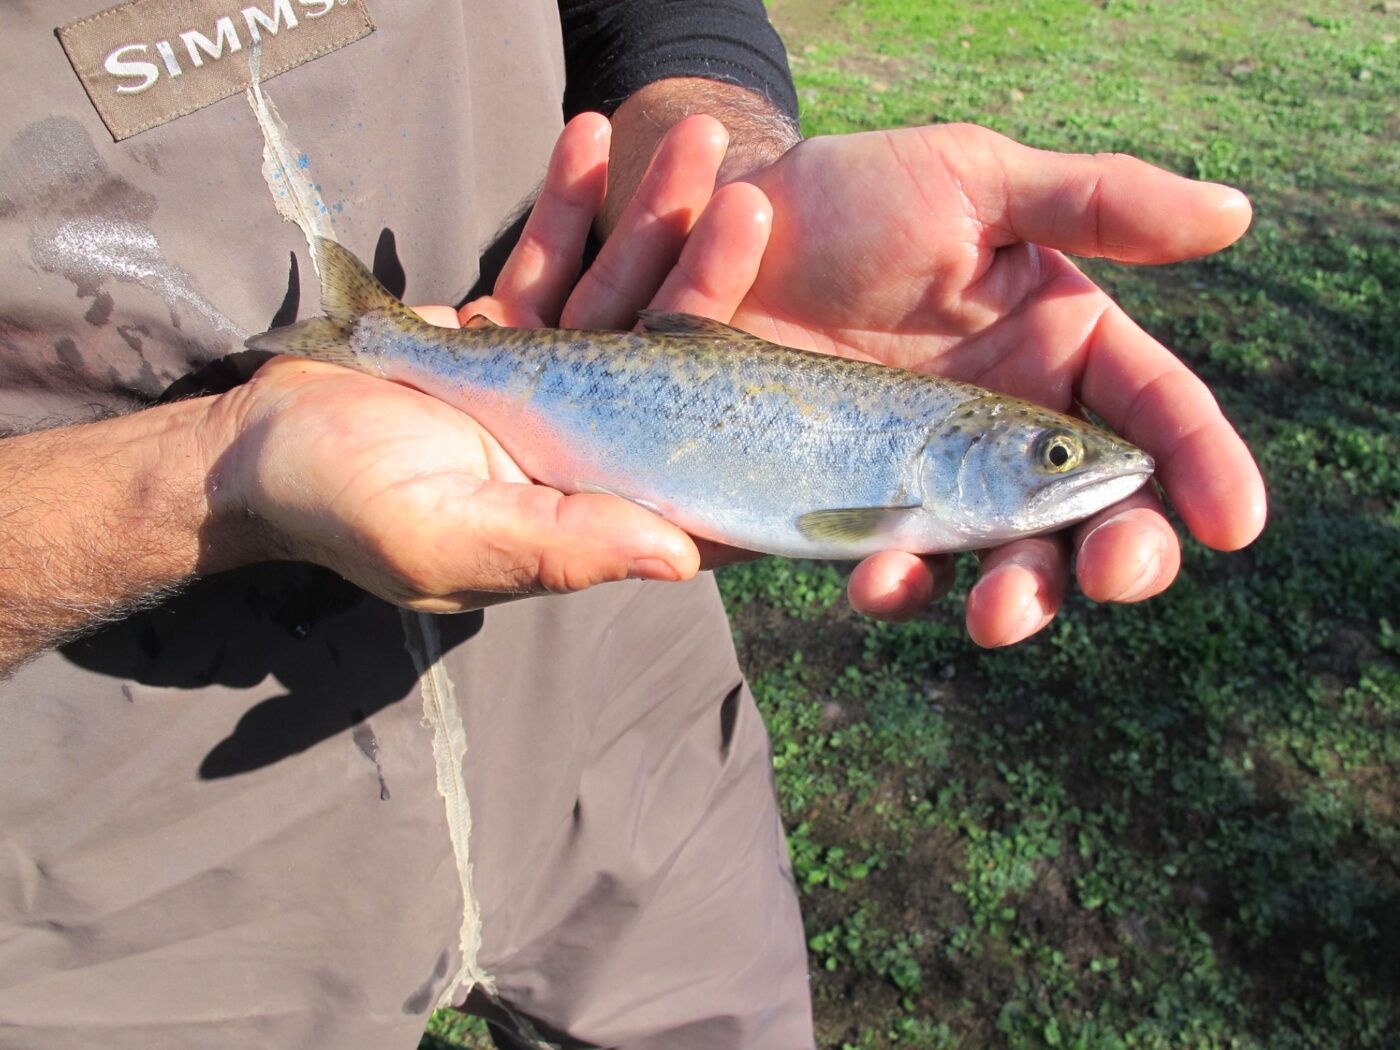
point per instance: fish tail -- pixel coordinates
(348, 292)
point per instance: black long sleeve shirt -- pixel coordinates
(613, 48)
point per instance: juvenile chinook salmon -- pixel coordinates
(731, 437)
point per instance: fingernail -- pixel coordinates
(1146, 577)
(1088, 536)
(652, 569)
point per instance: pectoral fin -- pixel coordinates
(603, 490)
(849, 524)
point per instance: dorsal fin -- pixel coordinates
(659, 322)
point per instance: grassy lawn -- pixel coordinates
(1173, 824)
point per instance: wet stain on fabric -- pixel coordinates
(67, 352)
(368, 744)
(90, 251)
(52, 167)
(131, 335)
(100, 312)
(90, 224)
(85, 223)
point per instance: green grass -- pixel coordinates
(1169, 825)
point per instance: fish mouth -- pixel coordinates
(1062, 490)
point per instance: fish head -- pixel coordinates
(998, 468)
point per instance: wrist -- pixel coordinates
(759, 133)
(226, 530)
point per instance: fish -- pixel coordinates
(733, 438)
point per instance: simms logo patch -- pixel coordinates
(147, 62)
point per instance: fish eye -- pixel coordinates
(1058, 451)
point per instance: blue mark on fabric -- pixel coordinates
(303, 161)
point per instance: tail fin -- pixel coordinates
(348, 292)
(348, 289)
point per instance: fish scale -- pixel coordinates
(733, 438)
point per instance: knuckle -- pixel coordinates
(605, 275)
(559, 574)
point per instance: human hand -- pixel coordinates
(939, 249)
(414, 501)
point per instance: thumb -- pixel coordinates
(1102, 205)
(530, 538)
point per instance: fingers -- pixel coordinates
(1128, 552)
(573, 542)
(441, 316)
(721, 257)
(896, 586)
(1107, 205)
(1021, 588)
(1068, 339)
(649, 236)
(715, 271)
(512, 539)
(535, 281)
(1156, 402)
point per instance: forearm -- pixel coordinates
(759, 132)
(100, 518)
